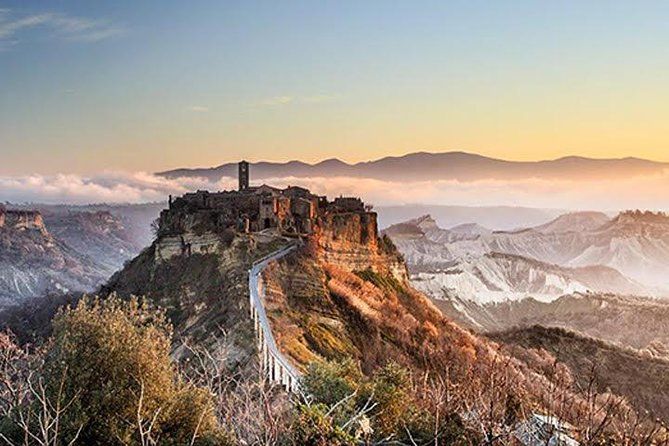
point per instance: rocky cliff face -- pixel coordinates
(200, 277)
(20, 220)
(34, 263)
(205, 294)
(469, 273)
(59, 253)
(351, 241)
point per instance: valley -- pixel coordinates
(52, 250)
(602, 277)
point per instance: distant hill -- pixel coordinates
(634, 322)
(574, 222)
(494, 217)
(423, 166)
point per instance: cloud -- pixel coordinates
(277, 100)
(117, 187)
(71, 28)
(318, 99)
(109, 187)
(198, 108)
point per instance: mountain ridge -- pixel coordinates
(423, 166)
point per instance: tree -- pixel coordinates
(389, 390)
(331, 381)
(122, 384)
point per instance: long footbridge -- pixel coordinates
(274, 364)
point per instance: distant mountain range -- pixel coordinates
(423, 166)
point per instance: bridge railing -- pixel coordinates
(273, 363)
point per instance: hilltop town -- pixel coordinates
(292, 211)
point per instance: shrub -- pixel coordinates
(330, 382)
(389, 389)
(111, 359)
(313, 426)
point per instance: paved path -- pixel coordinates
(273, 362)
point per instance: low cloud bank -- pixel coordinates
(110, 187)
(116, 187)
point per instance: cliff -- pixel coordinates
(33, 263)
(22, 220)
(351, 241)
(58, 252)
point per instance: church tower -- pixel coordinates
(243, 175)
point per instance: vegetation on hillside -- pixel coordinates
(641, 379)
(104, 377)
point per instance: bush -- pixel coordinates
(314, 427)
(111, 358)
(390, 389)
(330, 382)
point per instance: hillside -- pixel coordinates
(576, 252)
(344, 293)
(98, 235)
(574, 222)
(633, 322)
(639, 378)
(496, 217)
(136, 219)
(34, 263)
(497, 277)
(59, 252)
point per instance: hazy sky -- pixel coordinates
(91, 85)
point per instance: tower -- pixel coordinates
(243, 175)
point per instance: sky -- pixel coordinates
(159, 84)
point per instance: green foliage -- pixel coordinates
(390, 390)
(384, 282)
(111, 358)
(384, 397)
(314, 427)
(447, 430)
(387, 400)
(330, 382)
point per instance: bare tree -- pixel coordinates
(39, 415)
(15, 372)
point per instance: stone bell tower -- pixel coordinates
(243, 175)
